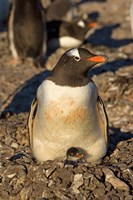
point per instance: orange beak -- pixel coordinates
(79, 155)
(92, 25)
(98, 59)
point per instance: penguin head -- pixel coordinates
(73, 154)
(73, 66)
(78, 61)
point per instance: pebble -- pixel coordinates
(14, 145)
(78, 181)
(114, 181)
(48, 172)
(26, 192)
(129, 197)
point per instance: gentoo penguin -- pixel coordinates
(26, 29)
(68, 111)
(73, 156)
(68, 34)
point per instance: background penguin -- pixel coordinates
(68, 111)
(26, 29)
(68, 34)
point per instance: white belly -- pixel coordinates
(71, 42)
(65, 42)
(66, 117)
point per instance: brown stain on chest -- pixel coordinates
(78, 114)
(66, 110)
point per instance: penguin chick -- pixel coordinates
(68, 110)
(73, 156)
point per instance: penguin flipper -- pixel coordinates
(103, 119)
(31, 118)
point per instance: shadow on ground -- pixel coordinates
(103, 35)
(23, 96)
(116, 137)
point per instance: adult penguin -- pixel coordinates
(26, 29)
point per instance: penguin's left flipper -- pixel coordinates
(31, 118)
(103, 119)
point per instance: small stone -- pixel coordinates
(115, 197)
(47, 193)
(8, 140)
(92, 184)
(80, 196)
(114, 181)
(78, 181)
(77, 170)
(129, 197)
(108, 186)
(25, 193)
(50, 183)
(60, 195)
(86, 182)
(99, 192)
(122, 144)
(49, 171)
(14, 145)
(87, 175)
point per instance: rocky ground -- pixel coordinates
(21, 176)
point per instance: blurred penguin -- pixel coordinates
(27, 30)
(68, 34)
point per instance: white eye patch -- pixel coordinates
(73, 52)
(81, 24)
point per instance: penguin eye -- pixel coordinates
(71, 155)
(76, 58)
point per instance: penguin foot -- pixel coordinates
(14, 62)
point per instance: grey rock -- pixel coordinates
(114, 181)
(77, 182)
(26, 192)
(49, 171)
(129, 197)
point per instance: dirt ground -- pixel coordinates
(21, 176)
